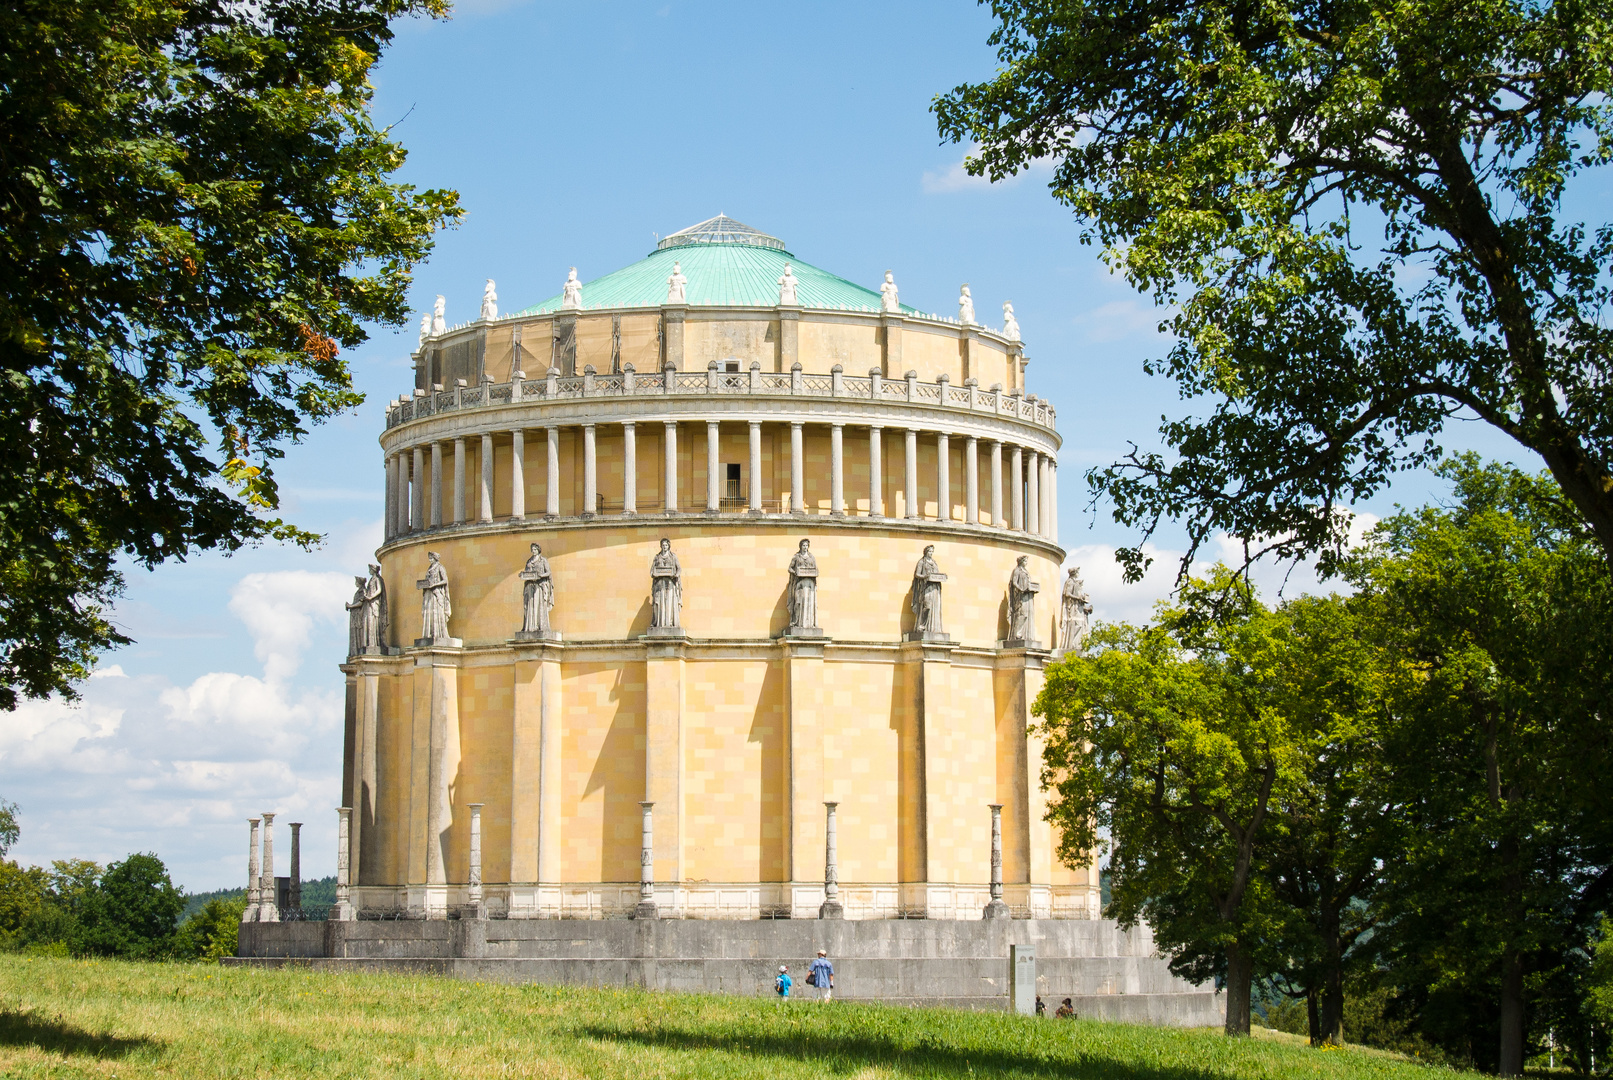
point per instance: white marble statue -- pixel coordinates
(439, 325)
(489, 301)
(966, 307)
(1022, 602)
(375, 620)
(926, 602)
(355, 618)
(802, 600)
(1075, 613)
(676, 293)
(537, 593)
(571, 291)
(786, 287)
(435, 606)
(666, 588)
(425, 327)
(887, 294)
(1010, 324)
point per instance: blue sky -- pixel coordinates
(574, 134)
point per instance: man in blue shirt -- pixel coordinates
(783, 983)
(823, 976)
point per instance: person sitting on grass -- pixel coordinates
(783, 983)
(1066, 1011)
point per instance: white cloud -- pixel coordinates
(279, 610)
(1119, 319)
(955, 177)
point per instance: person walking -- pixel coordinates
(783, 983)
(822, 975)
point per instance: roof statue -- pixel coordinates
(439, 325)
(786, 288)
(1010, 324)
(966, 306)
(887, 294)
(489, 301)
(571, 292)
(425, 327)
(675, 291)
(719, 230)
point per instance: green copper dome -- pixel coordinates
(727, 264)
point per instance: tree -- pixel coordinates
(212, 932)
(1351, 213)
(130, 912)
(1164, 740)
(196, 216)
(1497, 607)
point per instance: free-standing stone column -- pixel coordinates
(1053, 500)
(797, 471)
(831, 908)
(1033, 493)
(254, 877)
(551, 496)
(1016, 489)
(943, 477)
(876, 482)
(837, 470)
(268, 903)
(590, 472)
(486, 508)
(295, 893)
(971, 480)
(996, 484)
(459, 481)
(417, 510)
(343, 910)
(629, 468)
(756, 466)
(517, 475)
(646, 866)
(912, 473)
(996, 909)
(670, 480)
(475, 858)
(713, 482)
(390, 514)
(434, 488)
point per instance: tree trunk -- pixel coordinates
(1332, 989)
(1511, 1063)
(1313, 1022)
(1240, 980)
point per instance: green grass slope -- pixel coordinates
(64, 1018)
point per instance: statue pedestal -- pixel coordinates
(439, 643)
(831, 909)
(536, 635)
(666, 632)
(1018, 643)
(919, 635)
(804, 632)
(996, 910)
(379, 650)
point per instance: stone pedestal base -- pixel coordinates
(919, 635)
(831, 909)
(1019, 643)
(666, 632)
(379, 650)
(995, 910)
(439, 643)
(536, 635)
(646, 909)
(804, 631)
(343, 912)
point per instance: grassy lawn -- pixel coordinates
(64, 1018)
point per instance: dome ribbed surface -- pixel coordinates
(721, 229)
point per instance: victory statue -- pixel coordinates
(355, 618)
(802, 600)
(1022, 602)
(926, 602)
(435, 607)
(1075, 611)
(666, 588)
(366, 615)
(537, 593)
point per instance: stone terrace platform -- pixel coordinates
(1111, 974)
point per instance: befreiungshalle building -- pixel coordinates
(728, 398)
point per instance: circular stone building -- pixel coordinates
(669, 710)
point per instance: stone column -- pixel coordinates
(254, 878)
(646, 866)
(417, 511)
(1053, 500)
(343, 911)
(943, 476)
(629, 468)
(996, 484)
(832, 908)
(837, 470)
(389, 520)
(756, 466)
(400, 495)
(551, 493)
(590, 473)
(1033, 493)
(486, 509)
(296, 867)
(1016, 489)
(459, 481)
(876, 482)
(517, 475)
(912, 473)
(475, 858)
(971, 480)
(669, 488)
(268, 903)
(434, 488)
(713, 483)
(996, 909)
(797, 470)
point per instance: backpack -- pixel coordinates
(812, 977)
(778, 985)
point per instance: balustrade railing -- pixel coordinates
(554, 388)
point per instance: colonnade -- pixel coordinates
(414, 478)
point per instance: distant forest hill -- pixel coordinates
(315, 894)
